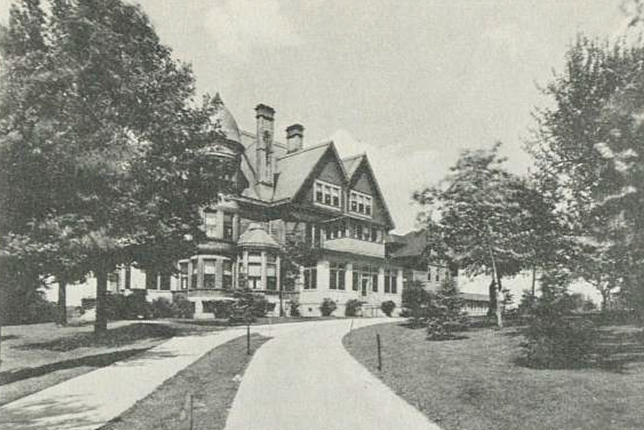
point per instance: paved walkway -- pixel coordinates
(92, 399)
(305, 379)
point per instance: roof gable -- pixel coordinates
(364, 180)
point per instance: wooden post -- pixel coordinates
(190, 412)
(379, 352)
(248, 339)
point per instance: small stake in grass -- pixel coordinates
(379, 353)
(248, 339)
(191, 412)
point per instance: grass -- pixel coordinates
(38, 356)
(212, 381)
(476, 383)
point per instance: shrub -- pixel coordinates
(387, 307)
(327, 307)
(256, 303)
(555, 338)
(445, 312)
(223, 309)
(352, 307)
(162, 308)
(416, 300)
(182, 307)
(294, 310)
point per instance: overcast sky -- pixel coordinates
(412, 82)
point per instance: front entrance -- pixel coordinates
(364, 286)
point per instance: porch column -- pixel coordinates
(264, 269)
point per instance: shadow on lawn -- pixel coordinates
(615, 349)
(99, 360)
(120, 336)
(457, 335)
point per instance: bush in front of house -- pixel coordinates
(416, 303)
(446, 316)
(555, 338)
(254, 303)
(294, 309)
(352, 307)
(132, 306)
(162, 308)
(387, 307)
(327, 307)
(182, 307)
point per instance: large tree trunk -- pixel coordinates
(100, 324)
(62, 303)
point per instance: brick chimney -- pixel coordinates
(265, 159)
(294, 138)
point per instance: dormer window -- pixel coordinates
(327, 194)
(360, 203)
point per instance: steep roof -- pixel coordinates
(363, 160)
(295, 168)
(414, 244)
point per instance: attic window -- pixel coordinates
(327, 194)
(360, 203)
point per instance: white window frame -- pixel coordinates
(362, 200)
(329, 192)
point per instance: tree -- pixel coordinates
(446, 314)
(417, 301)
(100, 134)
(589, 150)
(296, 253)
(489, 220)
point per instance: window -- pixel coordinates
(227, 280)
(337, 276)
(128, 277)
(228, 226)
(210, 221)
(150, 281)
(391, 281)
(335, 230)
(183, 275)
(271, 272)
(209, 274)
(310, 278)
(374, 234)
(374, 282)
(113, 281)
(438, 275)
(165, 282)
(255, 270)
(195, 274)
(429, 273)
(360, 203)
(356, 280)
(327, 194)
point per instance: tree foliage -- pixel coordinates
(589, 149)
(101, 143)
(489, 220)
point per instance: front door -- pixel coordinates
(364, 286)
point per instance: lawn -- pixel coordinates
(37, 356)
(476, 384)
(212, 381)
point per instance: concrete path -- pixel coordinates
(305, 379)
(92, 399)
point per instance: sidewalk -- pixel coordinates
(305, 379)
(91, 400)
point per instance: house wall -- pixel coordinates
(310, 300)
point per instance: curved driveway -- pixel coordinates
(304, 379)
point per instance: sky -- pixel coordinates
(411, 82)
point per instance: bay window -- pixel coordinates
(209, 274)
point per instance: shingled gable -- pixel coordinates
(359, 164)
(297, 170)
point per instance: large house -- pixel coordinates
(285, 190)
